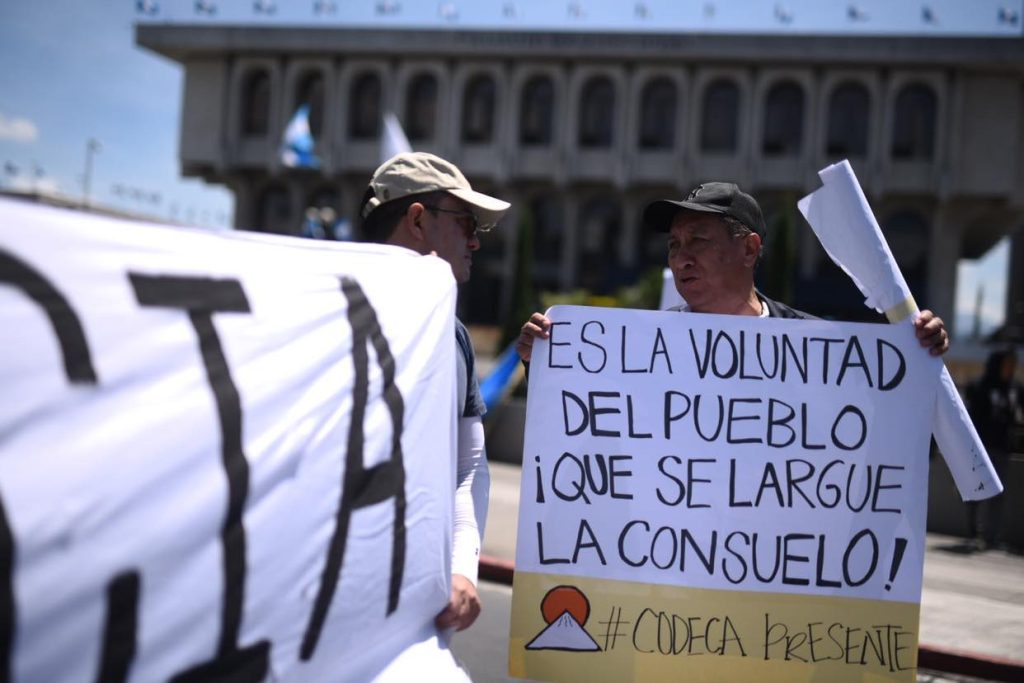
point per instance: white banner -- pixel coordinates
(221, 455)
(725, 452)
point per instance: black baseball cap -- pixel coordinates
(725, 199)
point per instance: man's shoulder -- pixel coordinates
(780, 310)
(463, 339)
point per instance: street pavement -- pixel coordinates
(972, 602)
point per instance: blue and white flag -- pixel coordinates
(502, 379)
(393, 140)
(297, 146)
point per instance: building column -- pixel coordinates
(570, 249)
(632, 228)
(944, 247)
(1014, 322)
(245, 202)
(298, 194)
(508, 232)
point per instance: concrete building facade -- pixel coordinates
(579, 130)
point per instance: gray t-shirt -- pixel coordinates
(471, 403)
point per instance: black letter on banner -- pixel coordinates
(79, 370)
(77, 361)
(8, 610)
(120, 629)
(363, 487)
(202, 297)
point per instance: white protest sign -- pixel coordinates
(222, 456)
(700, 484)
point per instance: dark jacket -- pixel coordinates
(996, 406)
(777, 310)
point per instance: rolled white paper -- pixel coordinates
(840, 216)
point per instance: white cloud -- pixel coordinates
(18, 130)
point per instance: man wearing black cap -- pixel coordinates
(715, 239)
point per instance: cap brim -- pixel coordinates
(489, 210)
(658, 215)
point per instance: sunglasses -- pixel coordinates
(467, 220)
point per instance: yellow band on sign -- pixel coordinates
(901, 310)
(567, 628)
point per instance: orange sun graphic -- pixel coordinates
(562, 599)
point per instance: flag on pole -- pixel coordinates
(393, 140)
(297, 146)
(502, 379)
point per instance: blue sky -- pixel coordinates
(72, 72)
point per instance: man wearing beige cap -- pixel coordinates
(424, 203)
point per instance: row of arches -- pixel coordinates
(596, 247)
(848, 120)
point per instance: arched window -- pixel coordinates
(256, 104)
(848, 111)
(274, 210)
(913, 134)
(478, 103)
(537, 110)
(364, 110)
(311, 92)
(597, 113)
(783, 120)
(600, 267)
(907, 233)
(421, 108)
(658, 115)
(719, 130)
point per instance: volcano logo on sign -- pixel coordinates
(566, 610)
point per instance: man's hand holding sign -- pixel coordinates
(720, 485)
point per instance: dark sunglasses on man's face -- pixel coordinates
(467, 220)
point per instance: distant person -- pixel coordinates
(312, 225)
(995, 402)
(715, 239)
(424, 203)
(328, 218)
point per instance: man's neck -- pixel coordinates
(748, 305)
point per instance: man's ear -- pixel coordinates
(751, 248)
(413, 217)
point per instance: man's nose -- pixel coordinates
(473, 242)
(681, 256)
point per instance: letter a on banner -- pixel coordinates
(362, 487)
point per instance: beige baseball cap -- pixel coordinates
(418, 172)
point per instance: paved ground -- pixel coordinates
(972, 602)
